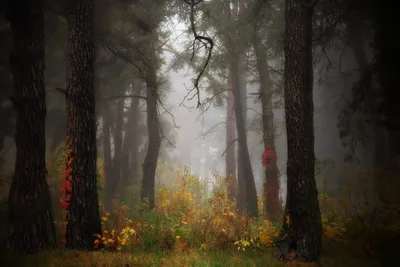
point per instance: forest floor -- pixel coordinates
(175, 258)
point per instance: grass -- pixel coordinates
(176, 258)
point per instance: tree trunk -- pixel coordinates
(119, 121)
(247, 197)
(271, 186)
(302, 208)
(108, 181)
(31, 223)
(130, 136)
(83, 216)
(134, 149)
(230, 162)
(243, 100)
(150, 161)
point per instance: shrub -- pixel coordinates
(185, 218)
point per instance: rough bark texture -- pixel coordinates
(31, 223)
(304, 228)
(271, 186)
(83, 217)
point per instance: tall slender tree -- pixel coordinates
(303, 217)
(271, 185)
(83, 216)
(31, 227)
(153, 150)
(230, 159)
(154, 11)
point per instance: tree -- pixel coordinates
(150, 64)
(302, 214)
(83, 215)
(150, 161)
(31, 223)
(230, 132)
(271, 185)
(129, 159)
(233, 36)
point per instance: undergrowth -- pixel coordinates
(191, 227)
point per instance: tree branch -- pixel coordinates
(202, 39)
(228, 147)
(124, 96)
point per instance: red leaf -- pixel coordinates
(268, 157)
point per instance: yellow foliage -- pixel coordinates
(267, 233)
(185, 217)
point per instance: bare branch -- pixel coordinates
(124, 96)
(202, 39)
(228, 147)
(210, 130)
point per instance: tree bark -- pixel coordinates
(271, 186)
(302, 208)
(83, 216)
(31, 224)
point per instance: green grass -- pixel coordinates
(195, 258)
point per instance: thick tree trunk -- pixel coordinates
(83, 216)
(247, 197)
(271, 186)
(31, 223)
(108, 181)
(302, 208)
(230, 161)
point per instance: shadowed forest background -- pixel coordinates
(198, 133)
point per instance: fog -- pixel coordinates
(196, 137)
